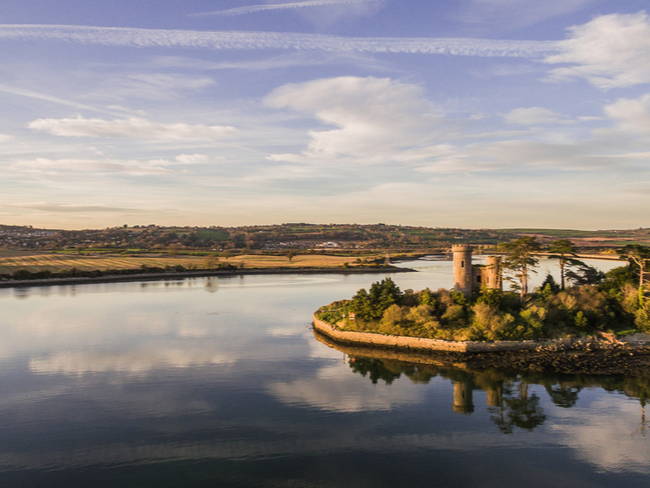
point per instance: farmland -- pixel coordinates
(12, 261)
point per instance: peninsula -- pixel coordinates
(591, 311)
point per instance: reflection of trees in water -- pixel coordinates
(375, 369)
(563, 395)
(389, 371)
(509, 399)
(519, 408)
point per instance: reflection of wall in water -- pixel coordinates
(463, 402)
(463, 399)
(494, 396)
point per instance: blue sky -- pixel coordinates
(467, 113)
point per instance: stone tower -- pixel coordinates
(492, 273)
(462, 268)
(468, 278)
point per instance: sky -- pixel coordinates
(455, 113)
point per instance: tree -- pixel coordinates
(173, 250)
(520, 260)
(564, 251)
(291, 254)
(227, 255)
(371, 306)
(211, 261)
(583, 274)
(639, 255)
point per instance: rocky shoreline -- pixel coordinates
(582, 356)
(600, 359)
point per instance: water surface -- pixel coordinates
(221, 382)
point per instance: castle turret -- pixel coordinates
(492, 272)
(462, 268)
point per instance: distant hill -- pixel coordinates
(300, 236)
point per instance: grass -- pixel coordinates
(212, 234)
(12, 261)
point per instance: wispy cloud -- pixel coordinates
(533, 116)
(62, 208)
(251, 9)
(225, 40)
(43, 166)
(132, 128)
(49, 98)
(610, 51)
(515, 14)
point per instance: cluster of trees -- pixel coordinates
(521, 260)
(613, 302)
(296, 235)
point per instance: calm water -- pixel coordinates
(221, 382)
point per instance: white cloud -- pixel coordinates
(132, 128)
(251, 9)
(5, 138)
(606, 437)
(610, 51)
(632, 114)
(220, 40)
(532, 116)
(376, 119)
(336, 390)
(130, 363)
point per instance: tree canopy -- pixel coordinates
(520, 261)
(564, 251)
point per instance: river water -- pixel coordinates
(222, 383)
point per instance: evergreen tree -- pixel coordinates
(564, 251)
(520, 261)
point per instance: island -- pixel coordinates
(590, 322)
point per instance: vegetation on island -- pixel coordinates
(594, 303)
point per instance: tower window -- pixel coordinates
(462, 264)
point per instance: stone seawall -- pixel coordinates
(432, 345)
(402, 342)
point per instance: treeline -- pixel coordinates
(249, 238)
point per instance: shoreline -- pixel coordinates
(566, 356)
(195, 274)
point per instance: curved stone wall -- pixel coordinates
(402, 342)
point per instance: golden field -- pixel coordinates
(11, 261)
